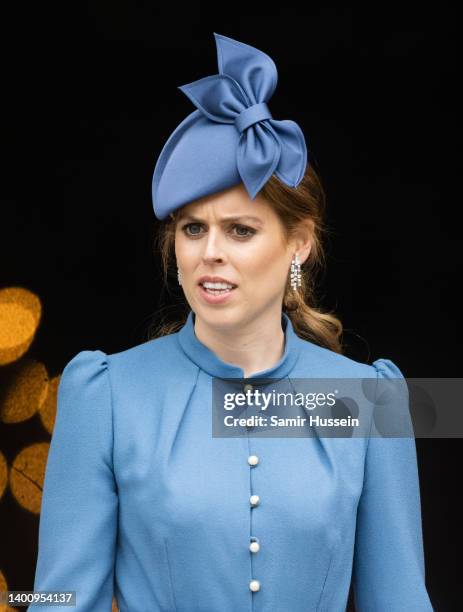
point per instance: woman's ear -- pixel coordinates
(302, 243)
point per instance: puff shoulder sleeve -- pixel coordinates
(389, 572)
(78, 520)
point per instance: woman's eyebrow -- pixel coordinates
(232, 218)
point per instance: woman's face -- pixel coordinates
(248, 251)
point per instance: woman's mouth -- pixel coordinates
(217, 288)
(214, 293)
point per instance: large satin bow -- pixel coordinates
(238, 95)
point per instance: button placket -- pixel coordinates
(248, 387)
(254, 500)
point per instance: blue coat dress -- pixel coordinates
(140, 500)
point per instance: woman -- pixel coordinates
(140, 499)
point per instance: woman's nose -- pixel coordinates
(213, 247)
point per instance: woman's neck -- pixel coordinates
(254, 347)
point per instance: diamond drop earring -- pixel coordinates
(296, 272)
(179, 276)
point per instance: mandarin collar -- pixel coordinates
(208, 361)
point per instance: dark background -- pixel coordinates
(89, 94)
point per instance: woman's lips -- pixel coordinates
(218, 298)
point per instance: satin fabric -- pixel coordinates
(231, 136)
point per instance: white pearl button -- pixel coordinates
(254, 547)
(248, 387)
(254, 585)
(254, 500)
(253, 459)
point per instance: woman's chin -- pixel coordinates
(230, 316)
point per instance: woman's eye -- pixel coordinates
(243, 231)
(250, 231)
(189, 225)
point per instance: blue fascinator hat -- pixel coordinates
(231, 137)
